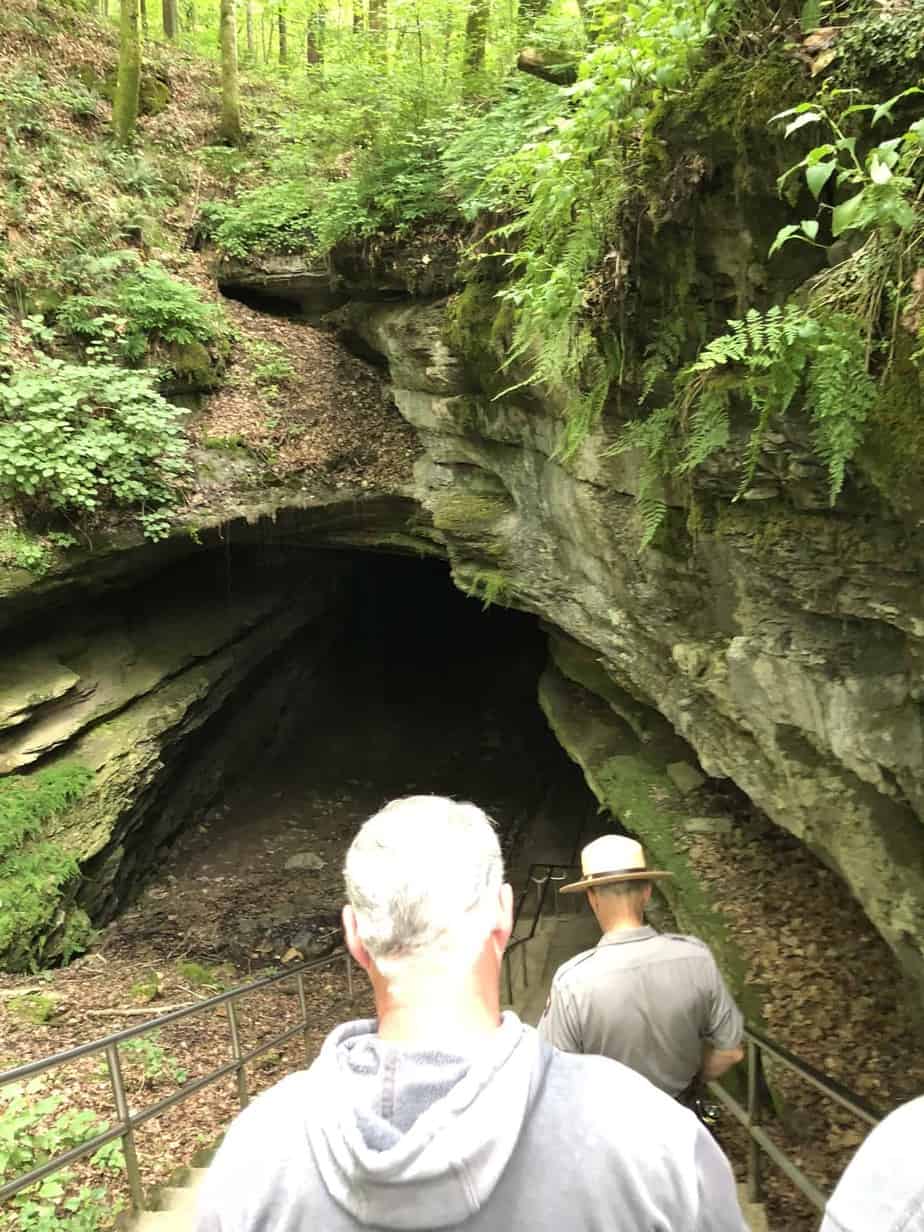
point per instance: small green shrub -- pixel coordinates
(270, 364)
(275, 218)
(34, 1129)
(145, 307)
(81, 438)
(146, 1054)
(22, 551)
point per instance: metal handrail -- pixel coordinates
(521, 942)
(758, 1044)
(750, 1116)
(127, 1121)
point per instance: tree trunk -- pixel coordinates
(314, 35)
(378, 15)
(283, 37)
(191, 16)
(248, 14)
(476, 34)
(230, 129)
(168, 8)
(144, 17)
(358, 16)
(125, 104)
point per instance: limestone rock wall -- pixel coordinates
(783, 645)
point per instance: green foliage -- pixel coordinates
(199, 975)
(145, 1054)
(35, 1128)
(78, 438)
(269, 363)
(882, 181)
(568, 187)
(143, 308)
(35, 871)
(761, 364)
(21, 551)
(274, 218)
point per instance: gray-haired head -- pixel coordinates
(423, 877)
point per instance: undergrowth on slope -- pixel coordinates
(35, 870)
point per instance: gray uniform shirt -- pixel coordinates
(647, 999)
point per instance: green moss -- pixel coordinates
(35, 1007)
(37, 873)
(201, 976)
(892, 456)
(489, 585)
(468, 514)
(478, 327)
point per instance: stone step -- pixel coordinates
(755, 1214)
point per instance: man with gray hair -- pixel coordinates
(654, 1001)
(443, 1112)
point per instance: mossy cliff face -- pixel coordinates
(781, 642)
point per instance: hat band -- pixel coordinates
(616, 872)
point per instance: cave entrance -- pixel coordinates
(406, 686)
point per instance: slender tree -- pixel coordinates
(358, 16)
(144, 17)
(128, 82)
(230, 128)
(314, 37)
(283, 35)
(378, 15)
(476, 34)
(248, 15)
(169, 11)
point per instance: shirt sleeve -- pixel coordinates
(559, 1025)
(724, 1022)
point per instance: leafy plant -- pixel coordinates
(79, 438)
(147, 1054)
(274, 218)
(35, 1128)
(568, 186)
(760, 365)
(883, 180)
(145, 307)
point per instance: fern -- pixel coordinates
(765, 360)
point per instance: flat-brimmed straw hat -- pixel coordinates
(614, 857)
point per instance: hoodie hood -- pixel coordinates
(406, 1137)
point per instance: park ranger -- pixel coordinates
(654, 1001)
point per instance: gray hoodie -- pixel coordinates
(511, 1135)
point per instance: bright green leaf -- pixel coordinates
(818, 175)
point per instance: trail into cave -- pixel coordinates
(422, 691)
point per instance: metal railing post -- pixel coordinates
(303, 1009)
(240, 1069)
(128, 1136)
(509, 978)
(525, 974)
(755, 1093)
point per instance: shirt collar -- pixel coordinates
(625, 935)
